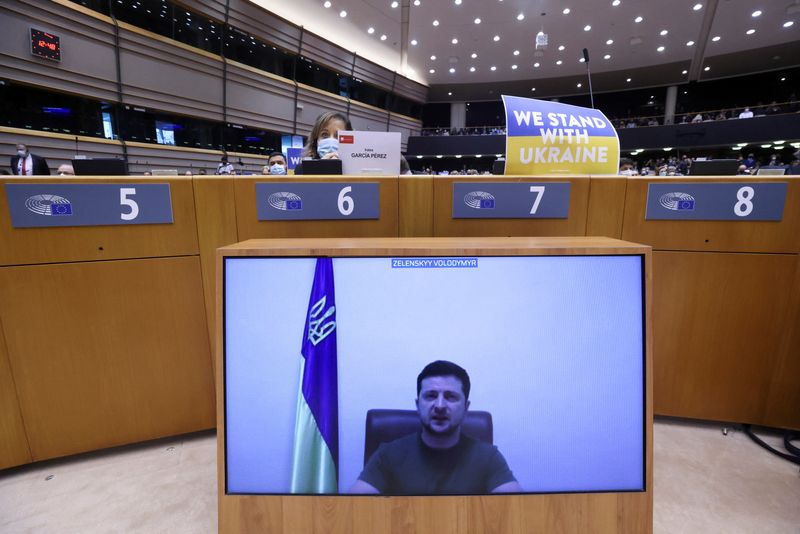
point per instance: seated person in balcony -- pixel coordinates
(323, 141)
(439, 459)
(746, 114)
(697, 118)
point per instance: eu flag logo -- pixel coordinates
(687, 205)
(294, 204)
(61, 209)
(487, 203)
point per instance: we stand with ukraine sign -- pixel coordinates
(551, 138)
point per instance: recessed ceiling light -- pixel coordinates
(788, 24)
(660, 49)
(581, 60)
(566, 11)
(559, 62)
(477, 21)
(413, 42)
(496, 38)
(454, 41)
(383, 37)
(433, 58)
(521, 16)
(449, 93)
(472, 69)
(716, 38)
(638, 19)
(417, 2)
(513, 67)
(615, 3)
(452, 70)
(689, 43)
(327, 4)
(751, 31)
(435, 22)
(561, 47)
(684, 72)
(783, 79)
(536, 65)
(587, 28)
(707, 69)
(533, 88)
(607, 56)
(371, 30)
(492, 68)
(756, 13)
(394, 5)
(697, 7)
(343, 13)
(580, 85)
(664, 32)
(432, 71)
(474, 55)
(610, 42)
(628, 80)
(419, 157)
(457, 2)
(516, 52)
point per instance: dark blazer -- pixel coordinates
(38, 162)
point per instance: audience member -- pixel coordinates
(65, 169)
(224, 167)
(27, 164)
(276, 164)
(746, 114)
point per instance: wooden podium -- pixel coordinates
(611, 512)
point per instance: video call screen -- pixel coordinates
(554, 347)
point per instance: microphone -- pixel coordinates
(588, 74)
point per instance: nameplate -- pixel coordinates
(719, 201)
(315, 201)
(506, 200)
(67, 204)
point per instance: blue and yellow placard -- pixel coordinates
(552, 138)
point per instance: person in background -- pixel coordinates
(65, 169)
(224, 167)
(626, 167)
(188, 173)
(323, 141)
(405, 168)
(276, 164)
(750, 161)
(201, 172)
(746, 114)
(27, 164)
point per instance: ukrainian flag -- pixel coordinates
(315, 462)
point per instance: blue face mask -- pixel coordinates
(327, 145)
(277, 168)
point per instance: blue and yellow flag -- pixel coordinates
(552, 138)
(315, 461)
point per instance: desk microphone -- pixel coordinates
(589, 74)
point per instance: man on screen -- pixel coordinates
(439, 459)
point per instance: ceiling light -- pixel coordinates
(765, 146)
(326, 5)
(664, 32)
(751, 31)
(566, 11)
(383, 37)
(478, 155)
(660, 49)
(756, 13)
(394, 5)
(432, 71)
(536, 65)
(472, 69)
(559, 62)
(697, 7)
(610, 42)
(684, 72)
(474, 55)
(454, 41)
(435, 23)
(439, 156)
(638, 19)
(457, 2)
(513, 67)
(417, 2)
(788, 24)
(452, 70)
(419, 157)
(458, 156)
(707, 69)
(533, 88)
(516, 52)
(689, 43)
(607, 56)
(413, 42)
(580, 85)
(477, 21)
(561, 47)
(492, 68)
(343, 13)
(783, 79)
(615, 3)
(521, 16)
(716, 38)
(371, 30)
(628, 80)
(587, 28)
(496, 38)
(433, 58)
(581, 60)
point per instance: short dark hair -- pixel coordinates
(445, 368)
(276, 153)
(625, 161)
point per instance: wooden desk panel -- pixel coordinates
(416, 206)
(14, 448)
(717, 236)
(250, 227)
(445, 226)
(107, 353)
(719, 320)
(606, 206)
(87, 243)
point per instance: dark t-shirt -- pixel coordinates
(406, 466)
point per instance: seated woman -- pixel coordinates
(323, 142)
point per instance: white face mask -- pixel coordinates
(327, 145)
(626, 172)
(277, 168)
(22, 153)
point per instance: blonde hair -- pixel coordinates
(310, 150)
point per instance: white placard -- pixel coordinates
(372, 153)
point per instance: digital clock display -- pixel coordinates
(45, 45)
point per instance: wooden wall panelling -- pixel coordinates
(167, 75)
(416, 205)
(410, 89)
(315, 102)
(258, 99)
(727, 236)
(373, 73)
(14, 449)
(326, 53)
(369, 118)
(606, 206)
(719, 322)
(252, 18)
(216, 227)
(783, 402)
(87, 66)
(118, 355)
(445, 225)
(406, 126)
(86, 243)
(146, 157)
(249, 227)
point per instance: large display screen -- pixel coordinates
(553, 347)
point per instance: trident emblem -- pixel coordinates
(317, 331)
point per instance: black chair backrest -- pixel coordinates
(388, 425)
